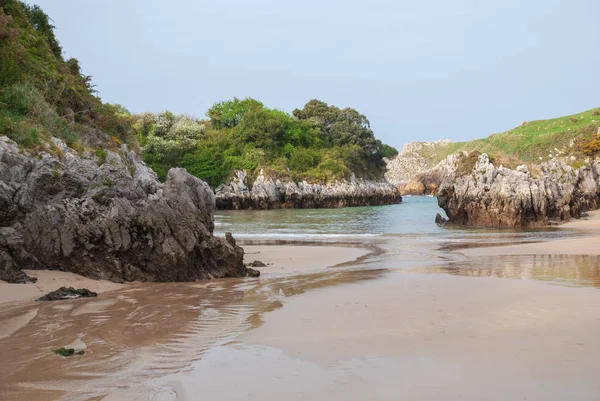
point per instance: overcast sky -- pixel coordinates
(419, 70)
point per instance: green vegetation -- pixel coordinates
(533, 142)
(44, 95)
(62, 351)
(319, 142)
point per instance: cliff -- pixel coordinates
(414, 159)
(415, 169)
(491, 196)
(269, 193)
(107, 217)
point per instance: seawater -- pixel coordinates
(413, 219)
(408, 239)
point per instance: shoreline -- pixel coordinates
(586, 244)
(286, 258)
(305, 326)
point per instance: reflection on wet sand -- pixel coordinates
(138, 333)
(579, 270)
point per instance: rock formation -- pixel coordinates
(427, 182)
(64, 293)
(268, 193)
(491, 196)
(411, 171)
(107, 218)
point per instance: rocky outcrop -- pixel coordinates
(107, 217)
(67, 293)
(491, 196)
(414, 159)
(428, 181)
(268, 193)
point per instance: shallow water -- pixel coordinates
(142, 332)
(175, 341)
(407, 238)
(413, 218)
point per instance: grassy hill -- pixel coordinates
(533, 141)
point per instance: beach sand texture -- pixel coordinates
(305, 330)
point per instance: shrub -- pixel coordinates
(304, 159)
(329, 170)
(389, 151)
(24, 100)
(596, 113)
(572, 120)
(466, 163)
(591, 146)
(184, 128)
(101, 155)
(205, 167)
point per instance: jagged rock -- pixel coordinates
(439, 219)
(269, 193)
(112, 221)
(409, 163)
(257, 263)
(493, 196)
(67, 293)
(427, 182)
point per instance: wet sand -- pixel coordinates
(50, 280)
(587, 244)
(301, 258)
(134, 331)
(304, 331)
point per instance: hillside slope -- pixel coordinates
(531, 142)
(575, 138)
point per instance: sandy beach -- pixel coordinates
(316, 325)
(281, 259)
(301, 258)
(50, 280)
(588, 243)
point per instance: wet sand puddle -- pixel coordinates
(163, 342)
(573, 270)
(133, 335)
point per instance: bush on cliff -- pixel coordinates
(42, 94)
(318, 143)
(466, 163)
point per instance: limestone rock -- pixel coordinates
(108, 220)
(410, 162)
(493, 196)
(427, 182)
(269, 193)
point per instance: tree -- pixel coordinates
(229, 113)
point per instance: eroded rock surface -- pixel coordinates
(411, 162)
(67, 293)
(107, 219)
(492, 196)
(268, 193)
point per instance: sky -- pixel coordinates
(419, 70)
